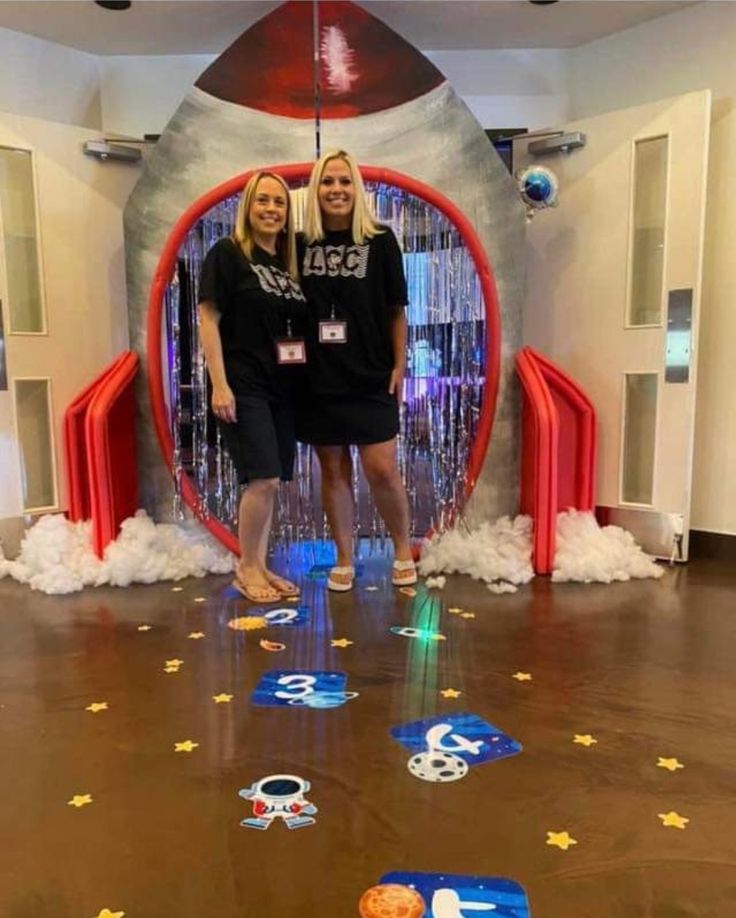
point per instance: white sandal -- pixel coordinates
(405, 568)
(338, 586)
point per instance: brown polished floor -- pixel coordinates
(647, 668)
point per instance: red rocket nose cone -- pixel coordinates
(364, 66)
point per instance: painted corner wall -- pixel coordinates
(684, 51)
(46, 80)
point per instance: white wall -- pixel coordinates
(141, 92)
(46, 80)
(520, 88)
(691, 49)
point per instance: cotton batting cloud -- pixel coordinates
(501, 553)
(56, 555)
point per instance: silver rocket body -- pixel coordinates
(433, 138)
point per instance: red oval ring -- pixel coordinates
(297, 171)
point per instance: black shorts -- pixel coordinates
(261, 442)
(327, 420)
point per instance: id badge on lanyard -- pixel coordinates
(290, 349)
(333, 331)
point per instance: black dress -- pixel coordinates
(346, 399)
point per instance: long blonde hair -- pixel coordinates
(364, 226)
(243, 231)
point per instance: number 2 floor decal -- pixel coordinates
(445, 748)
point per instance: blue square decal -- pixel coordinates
(301, 688)
(466, 735)
(453, 896)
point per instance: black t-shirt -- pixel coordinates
(256, 299)
(366, 285)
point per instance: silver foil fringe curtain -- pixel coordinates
(442, 395)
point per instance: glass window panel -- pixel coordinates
(35, 441)
(20, 241)
(647, 257)
(640, 427)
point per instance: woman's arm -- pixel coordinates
(398, 343)
(223, 400)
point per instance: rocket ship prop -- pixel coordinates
(387, 104)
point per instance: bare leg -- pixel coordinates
(382, 471)
(254, 526)
(337, 500)
(284, 586)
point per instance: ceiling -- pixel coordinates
(209, 26)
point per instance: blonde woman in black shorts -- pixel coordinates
(251, 320)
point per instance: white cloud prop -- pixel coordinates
(56, 556)
(501, 553)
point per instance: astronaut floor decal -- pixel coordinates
(279, 797)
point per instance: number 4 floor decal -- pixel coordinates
(444, 748)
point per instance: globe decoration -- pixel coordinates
(390, 900)
(538, 187)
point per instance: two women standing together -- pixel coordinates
(305, 338)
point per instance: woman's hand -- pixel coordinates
(223, 403)
(396, 383)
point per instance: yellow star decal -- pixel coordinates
(669, 764)
(673, 819)
(450, 693)
(467, 615)
(522, 677)
(173, 662)
(584, 739)
(561, 840)
(341, 642)
(455, 610)
(186, 746)
(224, 698)
(195, 635)
(144, 627)
(106, 913)
(96, 706)
(177, 589)
(80, 800)
(248, 623)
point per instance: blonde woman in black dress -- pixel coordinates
(352, 275)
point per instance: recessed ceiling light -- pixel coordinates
(542, 2)
(113, 4)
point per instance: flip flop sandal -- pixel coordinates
(338, 586)
(257, 594)
(404, 573)
(286, 588)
